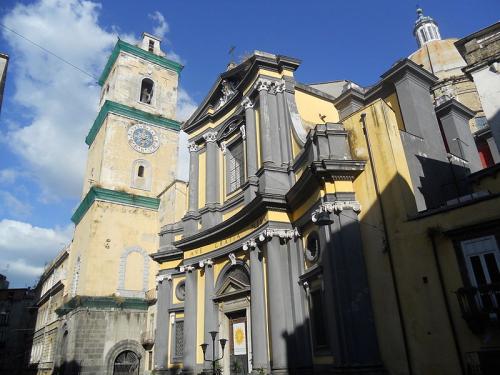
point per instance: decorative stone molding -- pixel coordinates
(262, 84)
(243, 132)
(123, 268)
(284, 234)
(186, 269)
(193, 147)
(223, 147)
(246, 103)
(228, 92)
(161, 278)
(206, 262)
(210, 136)
(335, 207)
(232, 258)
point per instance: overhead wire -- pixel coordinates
(50, 52)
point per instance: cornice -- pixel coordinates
(126, 111)
(114, 196)
(122, 46)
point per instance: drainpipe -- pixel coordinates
(387, 245)
(431, 233)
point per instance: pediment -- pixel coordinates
(231, 286)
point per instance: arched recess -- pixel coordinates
(122, 271)
(147, 91)
(141, 175)
(238, 271)
(120, 347)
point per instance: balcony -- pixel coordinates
(147, 339)
(480, 306)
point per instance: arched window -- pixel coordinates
(312, 247)
(140, 171)
(141, 175)
(147, 90)
(126, 362)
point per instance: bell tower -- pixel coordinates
(132, 158)
(131, 162)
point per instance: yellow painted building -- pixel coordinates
(329, 233)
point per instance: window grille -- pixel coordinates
(235, 166)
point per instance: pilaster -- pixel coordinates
(210, 215)
(211, 321)
(164, 285)
(260, 359)
(189, 358)
(262, 86)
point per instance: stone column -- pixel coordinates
(162, 321)
(193, 177)
(279, 311)
(210, 307)
(262, 85)
(251, 137)
(258, 310)
(274, 140)
(189, 359)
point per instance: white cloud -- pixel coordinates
(61, 100)
(162, 28)
(12, 206)
(25, 249)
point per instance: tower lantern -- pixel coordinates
(426, 29)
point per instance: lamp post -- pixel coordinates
(204, 347)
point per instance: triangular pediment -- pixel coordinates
(231, 285)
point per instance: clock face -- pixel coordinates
(143, 138)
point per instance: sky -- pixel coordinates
(49, 105)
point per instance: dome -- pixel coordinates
(440, 57)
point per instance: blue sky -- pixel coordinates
(49, 106)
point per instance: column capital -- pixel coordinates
(210, 136)
(335, 207)
(250, 244)
(206, 263)
(262, 84)
(187, 269)
(193, 147)
(283, 234)
(161, 278)
(280, 86)
(246, 103)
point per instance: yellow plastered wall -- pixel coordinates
(118, 158)
(202, 179)
(124, 227)
(393, 102)
(310, 107)
(94, 159)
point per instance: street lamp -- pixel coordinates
(204, 347)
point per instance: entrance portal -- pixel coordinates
(126, 363)
(238, 343)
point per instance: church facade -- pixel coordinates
(325, 228)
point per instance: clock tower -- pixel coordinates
(127, 193)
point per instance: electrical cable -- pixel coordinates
(50, 52)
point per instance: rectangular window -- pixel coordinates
(151, 45)
(482, 260)
(4, 318)
(235, 165)
(178, 341)
(319, 332)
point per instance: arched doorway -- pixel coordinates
(126, 363)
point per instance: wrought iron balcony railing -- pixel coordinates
(480, 305)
